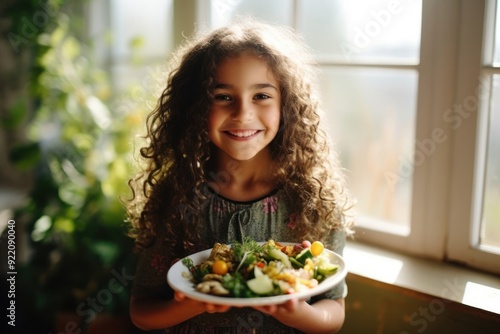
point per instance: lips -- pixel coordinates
(242, 133)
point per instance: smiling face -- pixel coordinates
(244, 116)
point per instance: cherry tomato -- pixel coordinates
(317, 248)
(220, 267)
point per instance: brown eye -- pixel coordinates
(222, 97)
(261, 96)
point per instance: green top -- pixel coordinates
(227, 221)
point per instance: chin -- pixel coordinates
(243, 157)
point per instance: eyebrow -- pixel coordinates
(254, 86)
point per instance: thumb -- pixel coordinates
(179, 296)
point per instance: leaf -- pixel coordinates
(57, 36)
(247, 246)
(70, 48)
(107, 251)
(99, 111)
(42, 225)
(188, 262)
(64, 225)
(136, 42)
(15, 115)
(25, 156)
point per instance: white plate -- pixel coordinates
(180, 283)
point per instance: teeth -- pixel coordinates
(243, 134)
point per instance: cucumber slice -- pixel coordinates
(296, 264)
(279, 255)
(327, 269)
(261, 285)
(305, 254)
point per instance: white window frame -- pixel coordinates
(436, 71)
(447, 186)
(467, 177)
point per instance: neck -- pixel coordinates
(242, 180)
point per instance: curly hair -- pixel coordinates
(168, 192)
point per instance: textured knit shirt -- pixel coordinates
(228, 221)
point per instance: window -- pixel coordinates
(490, 219)
(401, 76)
(489, 235)
(370, 75)
(410, 94)
(369, 87)
(370, 51)
(132, 51)
(475, 209)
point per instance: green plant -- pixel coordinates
(80, 155)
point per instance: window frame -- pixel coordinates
(425, 237)
(467, 176)
(445, 185)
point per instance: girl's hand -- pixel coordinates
(288, 307)
(207, 307)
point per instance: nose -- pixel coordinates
(243, 111)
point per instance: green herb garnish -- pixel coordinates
(246, 252)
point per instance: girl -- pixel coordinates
(234, 150)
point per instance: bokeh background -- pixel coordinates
(78, 79)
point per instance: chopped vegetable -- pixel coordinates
(243, 249)
(248, 269)
(246, 251)
(188, 262)
(261, 284)
(327, 269)
(220, 267)
(304, 255)
(317, 248)
(279, 255)
(236, 283)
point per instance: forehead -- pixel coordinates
(243, 68)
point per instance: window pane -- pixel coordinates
(370, 115)
(490, 228)
(496, 55)
(362, 30)
(275, 11)
(137, 48)
(128, 24)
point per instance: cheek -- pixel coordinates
(215, 119)
(212, 120)
(274, 119)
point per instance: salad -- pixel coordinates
(249, 269)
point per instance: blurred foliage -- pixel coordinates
(79, 151)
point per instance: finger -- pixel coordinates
(222, 308)
(272, 308)
(291, 304)
(261, 309)
(179, 296)
(267, 309)
(210, 308)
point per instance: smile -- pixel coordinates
(243, 134)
